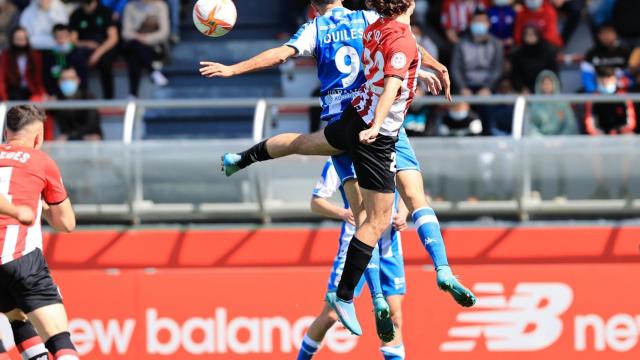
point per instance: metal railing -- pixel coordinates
(179, 180)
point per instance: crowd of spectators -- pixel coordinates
(520, 47)
(51, 48)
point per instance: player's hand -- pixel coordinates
(211, 69)
(25, 215)
(434, 86)
(443, 76)
(347, 216)
(369, 136)
(400, 222)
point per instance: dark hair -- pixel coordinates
(60, 27)
(322, 2)
(606, 26)
(21, 116)
(389, 8)
(605, 71)
(480, 11)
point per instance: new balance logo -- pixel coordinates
(527, 321)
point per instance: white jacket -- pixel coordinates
(39, 23)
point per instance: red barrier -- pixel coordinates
(523, 312)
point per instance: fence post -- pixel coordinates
(129, 122)
(525, 163)
(3, 117)
(259, 126)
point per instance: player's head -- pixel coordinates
(321, 5)
(392, 8)
(25, 123)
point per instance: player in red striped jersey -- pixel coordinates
(29, 177)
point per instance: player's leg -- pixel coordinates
(316, 332)
(382, 313)
(411, 188)
(343, 164)
(392, 278)
(27, 340)
(52, 324)
(394, 350)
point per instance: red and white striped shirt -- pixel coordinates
(27, 177)
(390, 49)
(457, 14)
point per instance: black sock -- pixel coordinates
(358, 257)
(28, 341)
(257, 152)
(60, 344)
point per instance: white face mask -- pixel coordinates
(502, 2)
(533, 4)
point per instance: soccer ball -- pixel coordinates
(214, 17)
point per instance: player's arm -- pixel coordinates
(60, 216)
(21, 213)
(392, 85)
(264, 60)
(324, 207)
(439, 69)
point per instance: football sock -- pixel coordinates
(256, 153)
(393, 352)
(61, 347)
(358, 257)
(429, 232)
(372, 274)
(308, 348)
(28, 341)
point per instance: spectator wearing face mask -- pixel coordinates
(76, 124)
(21, 70)
(95, 34)
(541, 14)
(549, 118)
(9, 18)
(608, 52)
(145, 30)
(459, 121)
(457, 14)
(64, 55)
(477, 60)
(532, 57)
(503, 17)
(609, 118)
(39, 18)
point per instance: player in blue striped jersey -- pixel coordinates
(332, 39)
(384, 275)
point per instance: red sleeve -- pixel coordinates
(37, 83)
(589, 121)
(445, 15)
(54, 191)
(398, 56)
(518, 26)
(3, 71)
(551, 32)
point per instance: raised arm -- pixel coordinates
(264, 60)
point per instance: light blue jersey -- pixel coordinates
(335, 40)
(389, 246)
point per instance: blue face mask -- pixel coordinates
(502, 2)
(68, 87)
(458, 115)
(533, 4)
(607, 89)
(479, 29)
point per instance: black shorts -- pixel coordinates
(26, 284)
(375, 164)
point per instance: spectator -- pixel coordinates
(500, 122)
(424, 40)
(550, 118)
(9, 18)
(174, 13)
(502, 16)
(543, 15)
(416, 121)
(64, 55)
(95, 34)
(21, 70)
(572, 10)
(608, 52)
(145, 29)
(460, 121)
(39, 18)
(477, 59)
(76, 124)
(535, 55)
(609, 118)
(625, 18)
(457, 14)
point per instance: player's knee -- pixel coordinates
(16, 315)
(396, 317)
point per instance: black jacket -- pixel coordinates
(529, 61)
